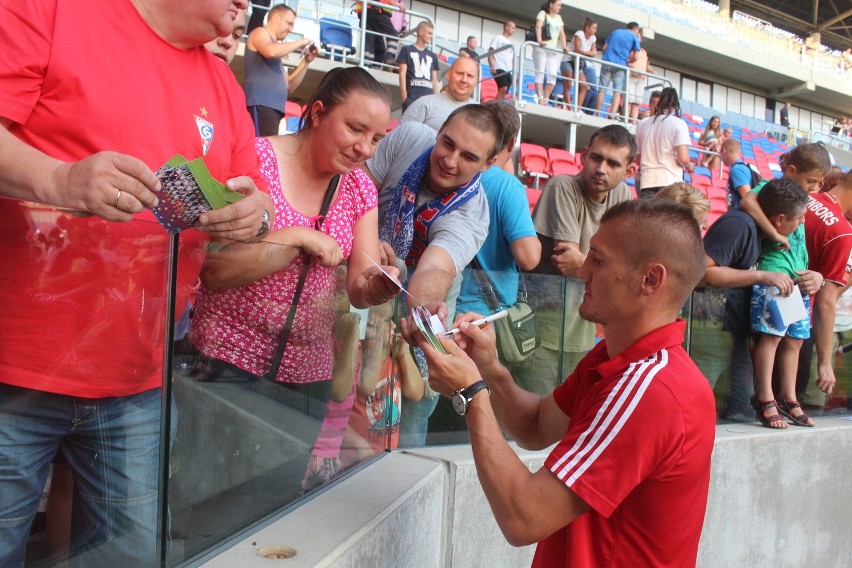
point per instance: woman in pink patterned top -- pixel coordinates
(247, 288)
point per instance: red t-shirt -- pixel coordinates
(828, 236)
(637, 451)
(82, 300)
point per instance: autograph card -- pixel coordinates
(425, 322)
(188, 191)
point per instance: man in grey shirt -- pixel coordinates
(433, 110)
(429, 190)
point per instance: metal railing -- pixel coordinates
(580, 63)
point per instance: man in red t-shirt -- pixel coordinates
(634, 425)
(828, 236)
(92, 101)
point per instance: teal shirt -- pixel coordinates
(788, 261)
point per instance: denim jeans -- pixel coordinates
(414, 421)
(112, 445)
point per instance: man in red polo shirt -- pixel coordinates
(828, 236)
(634, 425)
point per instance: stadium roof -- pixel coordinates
(832, 18)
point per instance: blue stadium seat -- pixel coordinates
(336, 38)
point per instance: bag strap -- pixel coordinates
(486, 287)
(291, 313)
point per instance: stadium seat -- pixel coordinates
(701, 179)
(562, 162)
(487, 90)
(293, 109)
(534, 162)
(336, 39)
(392, 123)
(532, 197)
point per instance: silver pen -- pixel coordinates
(482, 321)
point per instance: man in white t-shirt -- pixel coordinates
(502, 62)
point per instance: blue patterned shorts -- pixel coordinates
(766, 318)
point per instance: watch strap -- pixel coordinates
(468, 392)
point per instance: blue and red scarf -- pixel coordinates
(407, 230)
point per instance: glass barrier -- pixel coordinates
(227, 446)
(84, 312)
(251, 442)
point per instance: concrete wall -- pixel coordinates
(776, 498)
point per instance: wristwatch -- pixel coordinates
(264, 224)
(462, 397)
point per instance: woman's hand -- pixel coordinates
(320, 245)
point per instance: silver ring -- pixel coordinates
(117, 197)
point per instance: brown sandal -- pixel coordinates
(774, 421)
(786, 407)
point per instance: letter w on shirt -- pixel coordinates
(422, 65)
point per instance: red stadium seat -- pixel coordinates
(392, 123)
(534, 162)
(532, 197)
(562, 162)
(487, 90)
(292, 108)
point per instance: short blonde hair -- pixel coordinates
(685, 194)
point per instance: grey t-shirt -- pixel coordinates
(432, 110)
(564, 213)
(460, 232)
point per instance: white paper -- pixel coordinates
(792, 307)
(393, 279)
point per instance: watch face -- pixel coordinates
(459, 403)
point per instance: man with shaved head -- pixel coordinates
(433, 110)
(634, 424)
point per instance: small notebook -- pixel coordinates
(188, 191)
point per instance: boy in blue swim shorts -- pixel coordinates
(784, 206)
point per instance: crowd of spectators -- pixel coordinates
(418, 207)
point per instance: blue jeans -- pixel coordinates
(614, 77)
(592, 79)
(414, 421)
(112, 445)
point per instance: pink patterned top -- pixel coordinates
(242, 325)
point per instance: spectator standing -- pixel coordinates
(621, 48)
(433, 110)
(502, 61)
(627, 481)
(469, 50)
(378, 25)
(806, 165)
(732, 247)
(267, 84)
(399, 19)
(637, 81)
(418, 67)
(259, 8)
(740, 178)
(779, 339)
(103, 299)
(785, 115)
(828, 236)
(663, 145)
(566, 216)
(584, 42)
(433, 215)
(548, 23)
